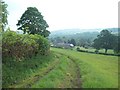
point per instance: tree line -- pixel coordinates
(103, 40)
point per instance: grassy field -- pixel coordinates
(63, 76)
(90, 49)
(53, 73)
(62, 69)
(13, 73)
(97, 71)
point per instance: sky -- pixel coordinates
(67, 14)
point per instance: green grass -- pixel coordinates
(60, 77)
(110, 51)
(14, 72)
(58, 70)
(97, 71)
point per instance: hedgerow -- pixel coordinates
(20, 46)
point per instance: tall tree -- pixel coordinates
(32, 22)
(97, 44)
(72, 41)
(58, 40)
(117, 44)
(82, 42)
(3, 14)
(104, 40)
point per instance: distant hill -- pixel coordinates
(65, 32)
(71, 31)
(81, 36)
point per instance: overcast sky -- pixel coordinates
(66, 14)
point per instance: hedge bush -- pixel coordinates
(20, 46)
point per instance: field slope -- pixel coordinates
(60, 72)
(64, 69)
(97, 71)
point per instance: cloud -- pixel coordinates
(62, 14)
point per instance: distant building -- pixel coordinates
(63, 45)
(71, 45)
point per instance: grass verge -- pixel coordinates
(17, 72)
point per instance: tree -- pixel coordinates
(117, 44)
(3, 14)
(104, 40)
(58, 40)
(72, 41)
(97, 44)
(83, 42)
(32, 22)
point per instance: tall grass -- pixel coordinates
(14, 72)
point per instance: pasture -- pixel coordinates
(91, 49)
(96, 70)
(63, 68)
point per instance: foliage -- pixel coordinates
(104, 40)
(23, 45)
(72, 41)
(3, 14)
(0, 45)
(78, 49)
(82, 39)
(117, 44)
(32, 22)
(14, 72)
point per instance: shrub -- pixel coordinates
(96, 51)
(23, 45)
(79, 50)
